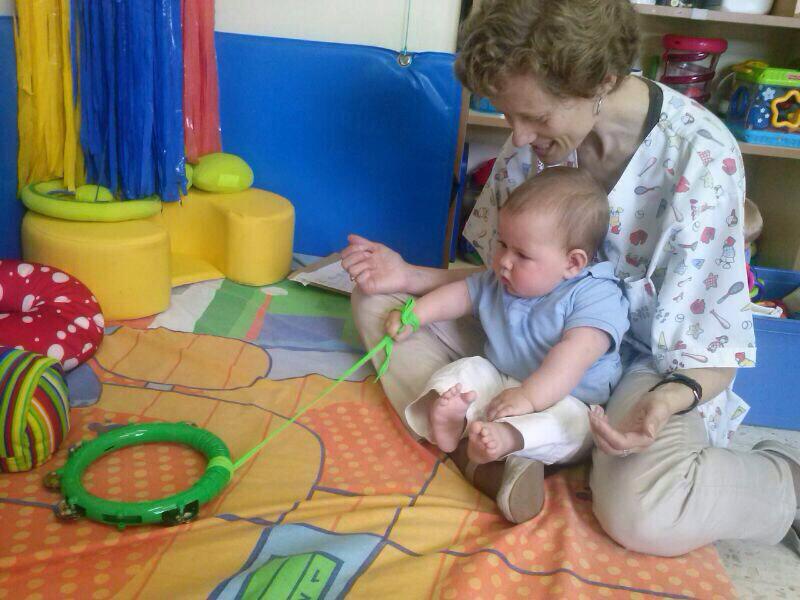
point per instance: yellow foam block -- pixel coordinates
(130, 266)
(246, 235)
(126, 265)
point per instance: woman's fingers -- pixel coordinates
(354, 257)
(358, 269)
(601, 443)
(362, 242)
(612, 441)
(602, 432)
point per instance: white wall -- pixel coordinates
(433, 23)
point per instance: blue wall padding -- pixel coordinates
(131, 74)
(11, 209)
(355, 141)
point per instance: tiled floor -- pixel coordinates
(762, 572)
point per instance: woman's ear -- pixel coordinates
(609, 81)
(577, 259)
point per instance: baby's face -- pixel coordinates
(530, 258)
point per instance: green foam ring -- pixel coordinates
(174, 509)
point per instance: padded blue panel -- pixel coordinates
(355, 141)
(11, 209)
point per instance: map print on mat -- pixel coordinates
(342, 503)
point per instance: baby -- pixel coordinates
(553, 323)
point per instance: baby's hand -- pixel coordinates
(509, 403)
(393, 325)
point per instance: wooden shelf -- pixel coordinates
(718, 16)
(775, 151)
(486, 119)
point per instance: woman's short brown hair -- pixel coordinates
(570, 46)
(573, 198)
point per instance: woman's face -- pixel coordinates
(552, 126)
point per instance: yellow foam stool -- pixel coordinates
(126, 265)
(244, 236)
(130, 266)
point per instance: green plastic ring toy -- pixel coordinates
(172, 510)
(50, 199)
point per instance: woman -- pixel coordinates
(662, 481)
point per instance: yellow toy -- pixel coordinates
(88, 203)
(132, 265)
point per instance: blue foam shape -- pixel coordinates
(11, 209)
(84, 387)
(355, 141)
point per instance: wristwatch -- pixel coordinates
(697, 389)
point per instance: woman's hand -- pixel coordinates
(637, 430)
(395, 328)
(374, 267)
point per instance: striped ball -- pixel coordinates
(34, 409)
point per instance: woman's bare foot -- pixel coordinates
(448, 417)
(490, 441)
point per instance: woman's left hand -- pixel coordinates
(636, 431)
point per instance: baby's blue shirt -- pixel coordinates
(521, 331)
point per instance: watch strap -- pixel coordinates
(697, 389)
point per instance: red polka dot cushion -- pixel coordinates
(47, 311)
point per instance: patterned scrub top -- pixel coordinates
(676, 238)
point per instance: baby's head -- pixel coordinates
(549, 229)
(753, 221)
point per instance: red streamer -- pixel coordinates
(200, 85)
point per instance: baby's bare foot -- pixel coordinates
(447, 417)
(490, 441)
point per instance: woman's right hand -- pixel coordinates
(374, 267)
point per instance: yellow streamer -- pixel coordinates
(48, 117)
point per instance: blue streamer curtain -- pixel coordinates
(130, 67)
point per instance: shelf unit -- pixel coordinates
(484, 119)
(717, 16)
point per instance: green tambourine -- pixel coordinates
(172, 510)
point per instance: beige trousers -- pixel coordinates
(677, 495)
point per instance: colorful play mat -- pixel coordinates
(342, 504)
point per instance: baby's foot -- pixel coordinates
(490, 441)
(447, 417)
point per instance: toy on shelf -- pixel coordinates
(690, 64)
(753, 7)
(753, 225)
(765, 105)
(689, 3)
(792, 302)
